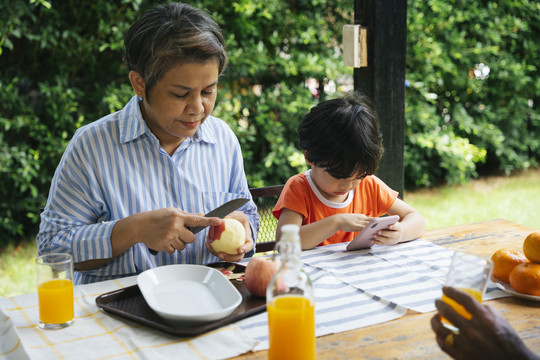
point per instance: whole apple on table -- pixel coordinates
(228, 237)
(259, 272)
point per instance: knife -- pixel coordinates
(219, 212)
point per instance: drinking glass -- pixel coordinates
(470, 274)
(55, 290)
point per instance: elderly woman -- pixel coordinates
(137, 179)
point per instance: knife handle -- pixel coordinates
(196, 229)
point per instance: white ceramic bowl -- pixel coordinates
(188, 295)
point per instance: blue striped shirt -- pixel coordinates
(115, 167)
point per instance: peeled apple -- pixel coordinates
(228, 236)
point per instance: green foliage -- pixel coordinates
(273, 48)
(61, 67)
(459, 124)
(35, 133)
(267, 130)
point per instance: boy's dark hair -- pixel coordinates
(342, 136)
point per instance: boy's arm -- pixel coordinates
(411, 226)
(315, 233)
(413, 222)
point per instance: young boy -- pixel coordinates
(334, 200)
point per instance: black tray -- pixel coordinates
(130, 303)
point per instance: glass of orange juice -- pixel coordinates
(55, 290)
(468, 273)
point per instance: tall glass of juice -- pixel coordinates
(55, 290)
(468, 273)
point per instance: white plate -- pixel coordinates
(188, 294)
(508, 289)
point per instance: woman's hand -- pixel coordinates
(242, 250)
(160, 230)
(168, 229)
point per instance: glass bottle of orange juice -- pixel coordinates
(290, 302)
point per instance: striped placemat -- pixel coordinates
(365, 287)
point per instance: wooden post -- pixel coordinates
(383, 80)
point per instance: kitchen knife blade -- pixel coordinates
(220, 212)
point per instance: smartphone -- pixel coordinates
(363, 239)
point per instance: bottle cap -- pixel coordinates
(290, 229)
(290, 233)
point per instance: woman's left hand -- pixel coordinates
(242, 250)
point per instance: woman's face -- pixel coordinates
(180, 102)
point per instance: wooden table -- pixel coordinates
(411, 337)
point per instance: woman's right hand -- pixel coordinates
(161, 230)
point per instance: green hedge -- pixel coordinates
(459, 124)
(60, 68)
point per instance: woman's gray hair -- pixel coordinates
(172, 34)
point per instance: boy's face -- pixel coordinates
(333, 189)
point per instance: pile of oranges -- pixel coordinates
(521, 270)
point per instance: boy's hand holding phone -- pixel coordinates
(382, 231)
(389, 236)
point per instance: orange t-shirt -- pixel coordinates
(372, 197)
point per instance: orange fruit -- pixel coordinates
(525, 278)
(531, 247)
(504, 261)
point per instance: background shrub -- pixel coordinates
(473, 89)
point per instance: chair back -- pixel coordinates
(265, 198)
